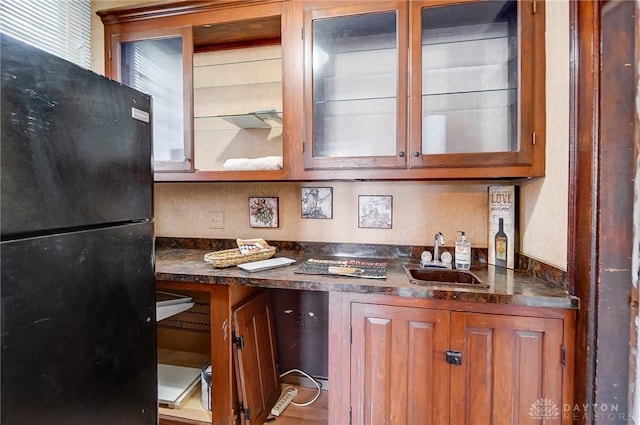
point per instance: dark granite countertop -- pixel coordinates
(506, 286)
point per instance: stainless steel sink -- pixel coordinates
(425, 276)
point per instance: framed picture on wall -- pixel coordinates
(263, 211)
(316, 202)
(375, 211)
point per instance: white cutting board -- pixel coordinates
(175, 383)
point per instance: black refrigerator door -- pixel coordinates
(78, 329)
(71, 154)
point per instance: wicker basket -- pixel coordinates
(233, 257)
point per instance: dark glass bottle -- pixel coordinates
(501, 245)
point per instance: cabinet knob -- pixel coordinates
(416, 154)
(401, 154)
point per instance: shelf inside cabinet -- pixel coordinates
(196, 319)
(466, 79)
(190, 411)
(191, 408)
(469, 100)
(238, 118)
(253, 120)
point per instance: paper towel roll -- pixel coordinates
(434, 134)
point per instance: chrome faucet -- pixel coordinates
(435, 261)
(438, 240)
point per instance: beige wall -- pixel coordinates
(97, 30)
(419, 208)
(544, 202)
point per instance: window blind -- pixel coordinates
(60, 27)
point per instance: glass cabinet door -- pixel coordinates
(470, 84)
(355, 68)
(155, 66)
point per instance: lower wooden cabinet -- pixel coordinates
(421, 362)
(396, 374)
(511, 369)
(186, 345)
(392, 360)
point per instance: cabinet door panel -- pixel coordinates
(158, 62)
(480, 351)
(474, 91)
(356, 75)
(511, 370)
(259, 381)
(397, 354)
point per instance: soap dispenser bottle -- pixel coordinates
(463, 252)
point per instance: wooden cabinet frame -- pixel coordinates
(144, 21)
(151, 20)
(528, 161)
(114, 38)
(340, 345)
(380, 162)
(451, 320)
(223, 299)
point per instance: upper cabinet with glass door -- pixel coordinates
(356, 69)
(217, 87)
(154, 62)
(470, 91)
(478, 86)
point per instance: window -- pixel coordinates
(60, 27)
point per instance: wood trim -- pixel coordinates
(158, 9)
(584, 113)
(615, 199)
(581, 276)
(238, 45)
(187, 98)
(568, 376)
(222, 377)
(233, 12)
(462, 306)
(276, 175)
(339, 357)
(604, 54)
(292, 83)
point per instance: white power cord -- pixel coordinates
(317, 384)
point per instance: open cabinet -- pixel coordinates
(250, 336)
(215, 70)
(184, 350)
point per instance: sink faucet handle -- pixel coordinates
(440, 238)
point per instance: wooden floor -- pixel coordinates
(314, 414)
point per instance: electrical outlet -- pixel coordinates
(217, 220)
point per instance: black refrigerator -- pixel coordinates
(78, 344)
